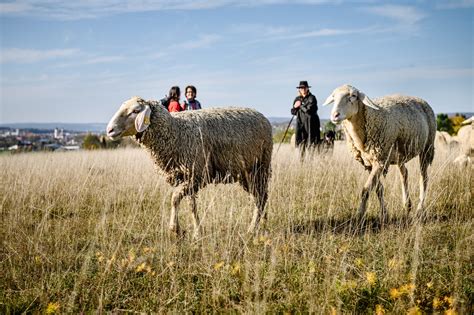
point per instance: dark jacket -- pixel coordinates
(307, 120)
(309, 104)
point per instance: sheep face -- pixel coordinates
(132, 117)
(346, 101)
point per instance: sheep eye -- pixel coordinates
(136, 111)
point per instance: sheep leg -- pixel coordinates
(261, 195)
(405, 195)
(423, 187)
(383, 209)
(196, 221)
(176, 198)
(372, 181)
(257, 215)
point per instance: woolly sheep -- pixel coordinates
(389, 130)
(444, 141)
(195, 148)
(465, 138)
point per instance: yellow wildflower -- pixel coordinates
(170, 264)
(371, 277)
(52, 308)
(379, 310)
(141, 267)
(407, 288)
(436, 303)
(429, 284)
(100, 256)
(450, 312)
(218, 265)
(449, 300)
(235, 269)
(312, 267)
(359, 262)
(414, 311)
(38, 259)
(394, 293)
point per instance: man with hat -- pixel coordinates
(305, 107)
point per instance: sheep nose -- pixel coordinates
(336, 115)
(110, 130)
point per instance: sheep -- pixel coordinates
(465, 138)
(390, 130)
(446, 142)
(195, 148)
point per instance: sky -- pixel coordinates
(77, 61)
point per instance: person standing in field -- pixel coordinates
(305, 107)
(173, 99)
(190, 101)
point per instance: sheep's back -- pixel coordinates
(408, 122)
(229, 138)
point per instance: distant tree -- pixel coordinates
(444, 123)
(91, 142)
(456, 121)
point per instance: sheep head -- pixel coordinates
(346, 101)
(132, 117)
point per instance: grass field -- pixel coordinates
(87, 231)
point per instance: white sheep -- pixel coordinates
(389, 130)
(465, 137)
(194, 148)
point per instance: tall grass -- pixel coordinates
(87, 231)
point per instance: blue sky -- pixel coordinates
(77, 61)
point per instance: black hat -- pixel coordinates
(303, 84)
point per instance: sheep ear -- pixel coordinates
(329, 100)
(142, 121)
(367, 101)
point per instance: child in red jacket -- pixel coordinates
(173, 98)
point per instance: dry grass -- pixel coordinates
(87, 231)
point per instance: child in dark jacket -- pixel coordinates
(190, 101)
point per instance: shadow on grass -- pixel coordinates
(355, 226)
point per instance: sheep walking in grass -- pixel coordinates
(389, 130)
(195, 148)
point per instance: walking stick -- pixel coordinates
(286, 131)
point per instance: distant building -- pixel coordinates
(58, 134)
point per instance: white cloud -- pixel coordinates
(14, 7)
(84, 9)
(17, 55)
(403, 14)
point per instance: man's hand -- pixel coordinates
(297, 104)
